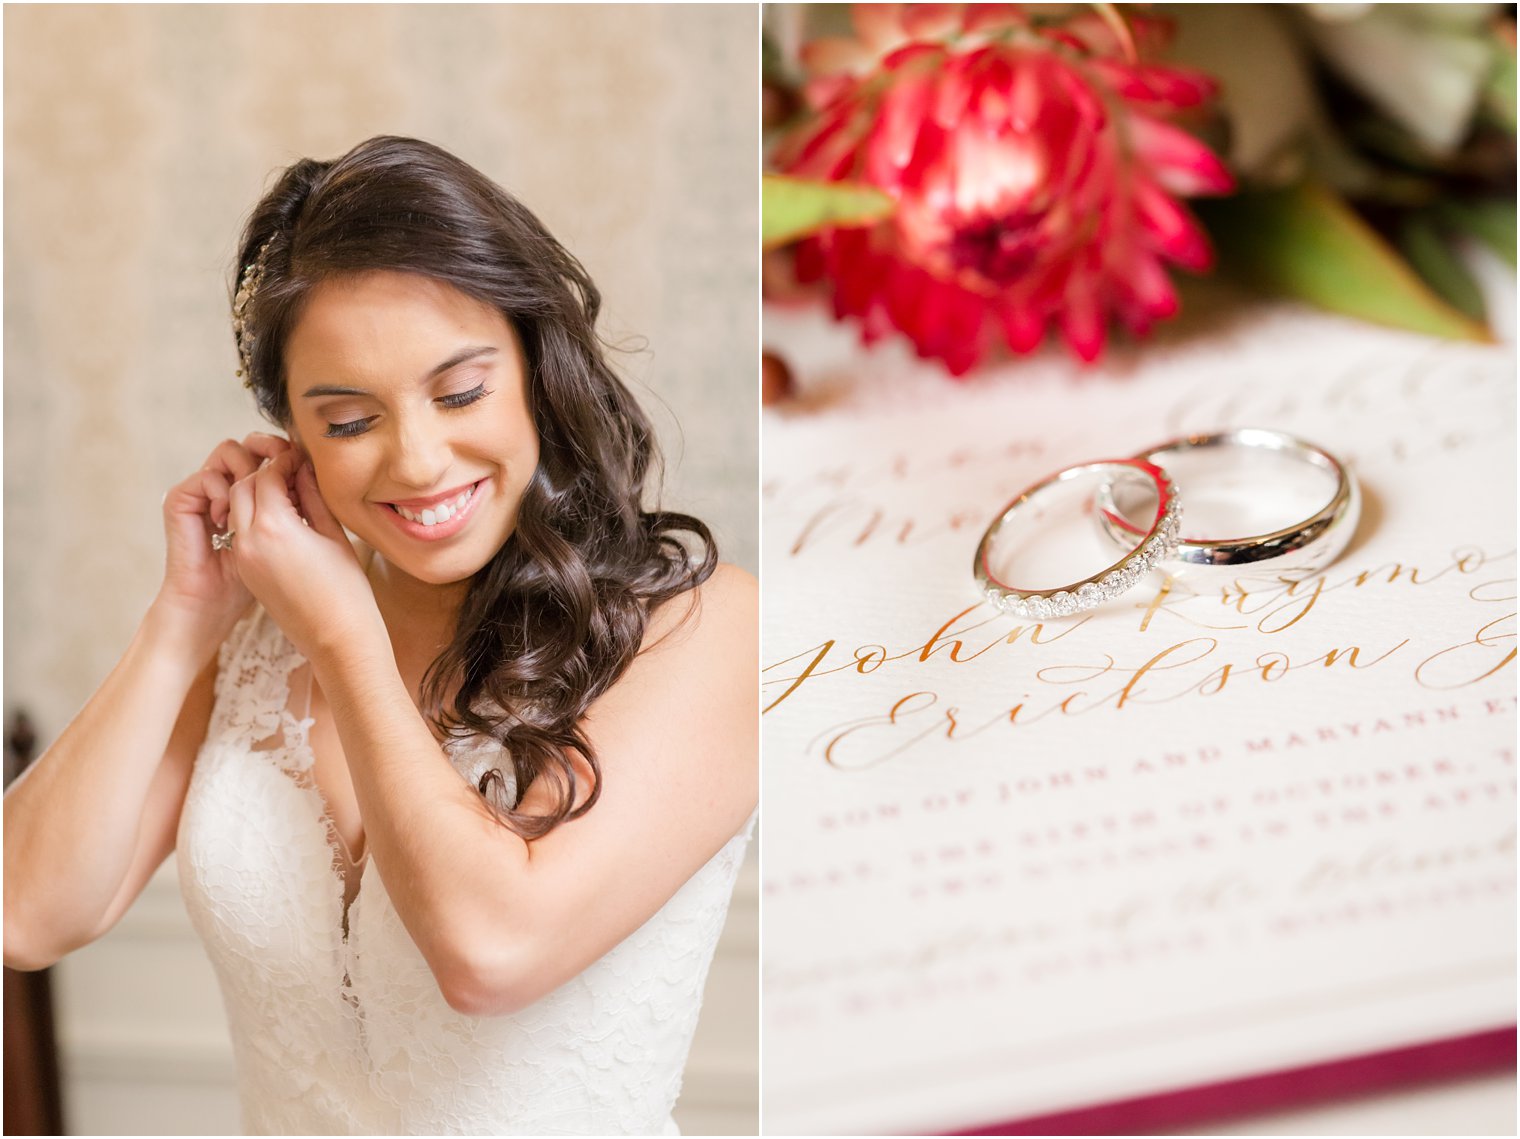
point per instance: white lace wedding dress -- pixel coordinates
(338, 1027)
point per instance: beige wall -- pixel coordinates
(138, 137)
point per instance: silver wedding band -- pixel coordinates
(1146, 549)
(1310, 544)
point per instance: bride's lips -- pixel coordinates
(438, 530)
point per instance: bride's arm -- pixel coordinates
(501, 921)
(89, 822)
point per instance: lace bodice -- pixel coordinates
(340, 1032)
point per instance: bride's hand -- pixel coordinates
(201, 583)
(295, 558)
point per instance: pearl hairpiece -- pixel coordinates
(253, 274)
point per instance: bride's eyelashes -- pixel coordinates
(464, 399)
(348, 428)
(351, 427)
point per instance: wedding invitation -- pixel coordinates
(1209, 830)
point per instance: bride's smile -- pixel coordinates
(412, 401)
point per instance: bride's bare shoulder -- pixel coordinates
(690, 695)
(702, 642)
(723, 611)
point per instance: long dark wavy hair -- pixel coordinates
(559, 612)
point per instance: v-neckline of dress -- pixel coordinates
(301, 768)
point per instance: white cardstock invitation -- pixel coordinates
(1016, 867)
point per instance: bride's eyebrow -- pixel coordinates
(462, 356)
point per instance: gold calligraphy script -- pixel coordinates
(1229, 646)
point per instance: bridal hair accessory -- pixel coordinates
(1153, 545)
(1309, 544)
(222, 541)
(248, 284)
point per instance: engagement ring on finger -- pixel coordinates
(222, 541)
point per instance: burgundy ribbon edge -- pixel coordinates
(1492, 1049)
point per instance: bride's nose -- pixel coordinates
(420, 454)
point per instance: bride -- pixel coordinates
(454, 741)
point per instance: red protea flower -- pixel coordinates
(1034, 167)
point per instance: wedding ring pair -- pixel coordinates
(1304, 546)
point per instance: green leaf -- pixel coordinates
(1499, 91)
(1423, 244)
(797, 207)
(1491, 222)
(1306, 242)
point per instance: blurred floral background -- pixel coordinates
(987, 179)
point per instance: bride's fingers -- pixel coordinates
(233, 460)
(240, 505)
(238, 460)
(272, 485)
(204, 493)
(215, 487)
(197, 493)
(262, 445)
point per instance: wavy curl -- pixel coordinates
(559, 612)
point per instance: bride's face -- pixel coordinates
(412, 400)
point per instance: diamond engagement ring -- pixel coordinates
(1308, 544)
(222, 541)
(1145, 550)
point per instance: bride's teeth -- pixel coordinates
(440, 513)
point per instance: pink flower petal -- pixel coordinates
(1165, 88)
(1176, 159)
(800, 153)
(931, 21)
(1023, 326)
(952, 93)
(988, 19)
(811, 263)
(1082, 328)
(1026, 94)
(1153, 288)
(1085, 102)
(894, 136)
(835, 56)
(1170, 229)
(823, 92)
(910, 55)
(1144, 293)
(879, 26)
